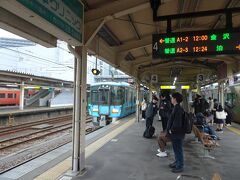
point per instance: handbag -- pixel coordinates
(221, 115)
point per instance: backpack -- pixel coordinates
(148, 133)
(187, 122)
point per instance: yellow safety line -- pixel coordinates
(64, 166)
(235, 130)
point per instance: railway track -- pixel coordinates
(63, 123)
(16, 144)
(25, 126)
(13, 164)
(9, 143)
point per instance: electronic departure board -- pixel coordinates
(196, 43)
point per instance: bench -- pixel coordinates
(216, 176)
(206, 140)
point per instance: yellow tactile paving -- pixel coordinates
(235, 130)
(61, 168)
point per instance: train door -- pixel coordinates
(131, 101)
(125, 105)
(104, 100)
(122, 98)
(126, 96)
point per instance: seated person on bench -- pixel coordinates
(200, 122)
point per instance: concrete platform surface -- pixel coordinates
(129, 156)
(41, 165)
(6, 112)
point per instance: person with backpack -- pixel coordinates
(164, 110)
(150, 113)
(176, 132)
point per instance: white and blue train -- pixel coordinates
(111, 100)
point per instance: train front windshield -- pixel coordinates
(100, 95)
(107, 95)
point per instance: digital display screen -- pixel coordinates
(196, 43)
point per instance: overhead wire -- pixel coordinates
(46, 60)
(40, 58)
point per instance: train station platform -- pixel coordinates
(6, 112)
(31, 114)
(125, 154)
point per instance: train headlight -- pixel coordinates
(115, 111)
(95, 110)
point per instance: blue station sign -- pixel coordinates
(66, 15)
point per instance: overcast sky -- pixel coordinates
(7, 34)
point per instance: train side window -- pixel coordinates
(2, 95)
(10, 96)
(117, 95)
(15, 96)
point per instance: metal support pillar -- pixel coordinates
(78, 158)
(221, 93)
(138, 102)
(83, 100)
(21, 103)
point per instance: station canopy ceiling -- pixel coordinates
(128, 29)
(120, 32)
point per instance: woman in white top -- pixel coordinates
(220, 118)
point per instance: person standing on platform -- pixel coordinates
(164, 110)
(209, 113)
(230, 114)
(220, 118)
(211, 103)
(176, 132)
(151, 111)
(215, 105)
(143, 107)
(200, 105)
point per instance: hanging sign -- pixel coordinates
(154, 78)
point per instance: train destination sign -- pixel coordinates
(196, 43)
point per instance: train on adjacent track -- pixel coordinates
(111, 100)
(9, 97)
(231, 97)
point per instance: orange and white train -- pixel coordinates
(9, 97)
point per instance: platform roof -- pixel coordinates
(120, 32)
(11, 78)
(130, 26)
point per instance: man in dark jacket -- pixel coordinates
(164, 110)
(176, 132)
(151, 111)
(200, 104)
